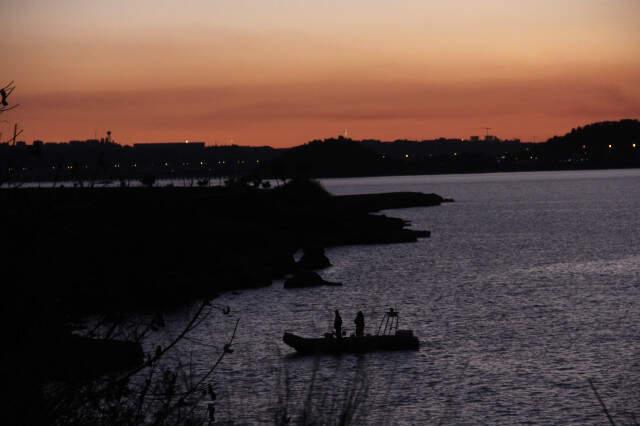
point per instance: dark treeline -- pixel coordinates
(88, 163)
(599, 145)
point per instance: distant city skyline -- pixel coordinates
(103, 138)
(282, 73)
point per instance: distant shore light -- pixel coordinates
(610, 146)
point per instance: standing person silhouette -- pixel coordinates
(359, 324)
(337, 324)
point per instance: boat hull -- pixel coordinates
(352, 344)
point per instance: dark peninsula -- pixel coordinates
(139, 246)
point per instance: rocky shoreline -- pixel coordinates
(131, 248)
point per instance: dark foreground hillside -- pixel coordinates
(69, 253)
(143, 246)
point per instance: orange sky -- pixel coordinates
(282, 72)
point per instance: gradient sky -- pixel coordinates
(284, 72)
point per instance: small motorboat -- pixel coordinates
(390, 339)
(403, 340)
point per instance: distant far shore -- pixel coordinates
(604, 145)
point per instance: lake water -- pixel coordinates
(528, 287)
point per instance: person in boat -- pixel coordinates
(359, 324)
(337, 324)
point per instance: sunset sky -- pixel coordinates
(284, 72)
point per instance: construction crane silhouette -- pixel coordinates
(486, 129)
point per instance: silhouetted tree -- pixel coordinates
(5, 105)
(5, 92)
(154, 392)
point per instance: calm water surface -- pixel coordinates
(528, 286)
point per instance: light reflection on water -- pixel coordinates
(528, 287)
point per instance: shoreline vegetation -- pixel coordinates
(78, 252)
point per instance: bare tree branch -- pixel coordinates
(5, 92)
(602, 404)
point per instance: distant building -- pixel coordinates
(474, 138)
